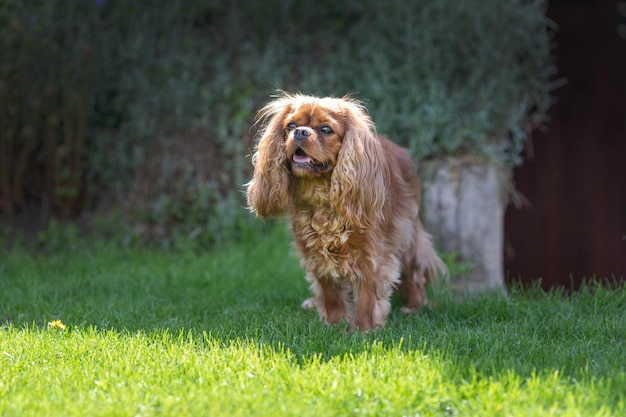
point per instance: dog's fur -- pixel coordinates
(353, 200)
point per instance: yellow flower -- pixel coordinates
(56, 324)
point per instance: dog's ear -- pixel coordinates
(360, 180)
(267, 192)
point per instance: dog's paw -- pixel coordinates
(309, 304)
(409, 310)
(412, 309)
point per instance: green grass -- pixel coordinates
(222, 334)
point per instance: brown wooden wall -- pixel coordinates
(575, 224)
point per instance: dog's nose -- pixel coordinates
(301, 134)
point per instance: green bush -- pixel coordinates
(72, 71)
(442, 77)
(153, 101)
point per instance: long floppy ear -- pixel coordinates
(361, 178)
(267, 192)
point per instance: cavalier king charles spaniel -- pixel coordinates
(352, 198)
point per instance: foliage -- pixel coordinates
(149, 332)
(95, 94)
(72, 71)
(456, 77)
(443, 77)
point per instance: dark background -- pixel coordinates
(574, 177)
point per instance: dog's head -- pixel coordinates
(332, 139)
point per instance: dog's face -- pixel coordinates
(313, 138)
(319, 138)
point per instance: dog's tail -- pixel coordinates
(429, 264)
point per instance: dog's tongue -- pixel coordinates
(301, 159)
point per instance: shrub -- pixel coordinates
(70, 71)
(442, 77)
(153, 101)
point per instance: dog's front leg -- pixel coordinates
(372, 304)
(331, 298)
(372, 293)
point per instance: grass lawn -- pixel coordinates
(152, 333)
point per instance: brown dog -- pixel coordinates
(353, 199)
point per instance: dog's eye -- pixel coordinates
(326, 130)
(291, 126)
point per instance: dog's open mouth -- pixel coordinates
(302, 160)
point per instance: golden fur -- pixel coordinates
(353, 200)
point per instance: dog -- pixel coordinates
(353, 201)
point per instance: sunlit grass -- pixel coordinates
(100, 330)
